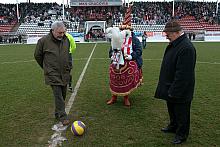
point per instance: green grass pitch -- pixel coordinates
(27, 105)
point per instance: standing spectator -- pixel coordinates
(52, 54)
(19, 38)
(177, 80)
(1, 39)
(190, 36)
(194, 35)
(144, 38)
(50, 24)
(71, 51)
(75, 27)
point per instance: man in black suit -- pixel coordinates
(177, 80)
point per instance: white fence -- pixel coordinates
(152, 37)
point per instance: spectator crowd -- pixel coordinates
(144, 13)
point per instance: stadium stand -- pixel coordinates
(43, 27)
(209, 27)
(189, 23)
(7, 27)
(7, 17)
(144, 28)
(36, 18)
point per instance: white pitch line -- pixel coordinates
(207, 62)
(200, 62)
(78, 59)
(14, 62)
(72, 98)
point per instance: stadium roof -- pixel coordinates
(65, 1)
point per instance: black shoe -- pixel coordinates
(57, 117)
(168, 130)
(70, 89)
(178, 140)
(65, 122)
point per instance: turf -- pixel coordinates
(27, 104)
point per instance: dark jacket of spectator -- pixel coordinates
(177, 75)
(53, 56)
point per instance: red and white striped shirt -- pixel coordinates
(127, 46)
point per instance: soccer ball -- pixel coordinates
(78, 128)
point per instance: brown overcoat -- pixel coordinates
(53, 56)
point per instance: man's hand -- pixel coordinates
(128, 57)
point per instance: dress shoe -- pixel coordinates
(168, 130)
(57, 117)
(178, 140)
(70, 89)
(65, 122)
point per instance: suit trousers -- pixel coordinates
(59, 93)
(179, 114)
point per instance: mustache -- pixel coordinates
(59, 37)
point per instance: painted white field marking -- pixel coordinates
(77, 59)
(57, 138)
(14, 62)
(200, 62)
(72, 98)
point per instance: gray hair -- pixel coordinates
(57, 24)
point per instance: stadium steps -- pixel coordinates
(144, 28)
(7, 27)
(15, 27)
(33, 28)
(210, 27)
(189, 23)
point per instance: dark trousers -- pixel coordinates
(180, 118)
(144, 44)
(59, 93)
(70, 82)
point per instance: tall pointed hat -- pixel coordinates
(126, 24)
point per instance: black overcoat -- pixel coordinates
(177, 73)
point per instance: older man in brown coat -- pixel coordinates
(177, 80)
(52, 54)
